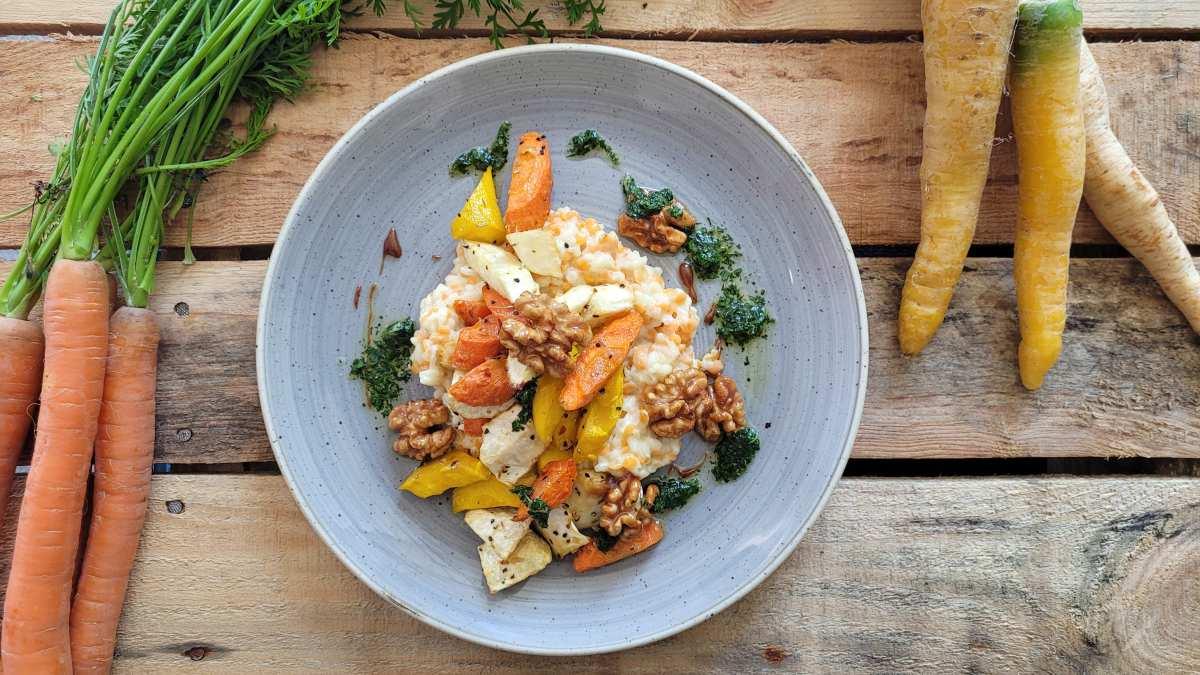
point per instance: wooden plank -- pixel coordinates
(946, 575)
(728, 19)
(857, 124)
(1121, 389)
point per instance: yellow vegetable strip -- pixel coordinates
(966, 54)
(1048, 125)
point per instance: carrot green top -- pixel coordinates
(1044, 28)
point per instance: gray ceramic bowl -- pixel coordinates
(804, 389)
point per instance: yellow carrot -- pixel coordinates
(966, 54)
(1047, 115)
(1128, 205)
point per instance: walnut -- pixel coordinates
(422, 429)
(722, 410)
(653, 234)
(625, 506)
(670, 403)
(542, 333)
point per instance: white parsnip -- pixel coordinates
(1128, 205)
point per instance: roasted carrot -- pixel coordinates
(473, 426)
(471, 311)
(1047, 114)
(1128, 206)
(486, 384)
(124, 458)
(966, 53)
(599, 360)
(553, 485)
(529, 192)
(38, 602)
(20, 378)
(477, 343)
(498, 304)
(630, 543)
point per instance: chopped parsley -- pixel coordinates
(710, 250)
(588, 140)
(525, 400)
(734, 453)
(385, 364)
(741, 318)
(674, 493)
(539, 510)
(641, 202)
(480, 158)
(604, 540)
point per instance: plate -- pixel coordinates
(804, 386)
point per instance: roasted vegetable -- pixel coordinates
(477, 343)
(553, 486)
(484, 494)
(486, 384)
(479, 219)
(603, 356)
(529, 192)
(497, 528)
(631, 542)
(453, 469)
(599, 419)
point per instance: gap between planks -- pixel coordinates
(1119, 390)
(680, 19)
(1032, 575)
(858, 126)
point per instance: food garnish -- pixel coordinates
(484, 157)
(740, 318)
(385, 364)
(536, 507)
(589, 140)
(673, 493)
(734, 453)
(525, 400)
(643, 202)
(711, 251)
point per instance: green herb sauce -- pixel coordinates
(741, 318)
(711, 250)
(539, 510)
(588, 140)
(480, 158)
(734, 453)
(525, 400)
(674, 493)
(641, 202)
(385, 364)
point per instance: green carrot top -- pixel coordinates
(1044, 27)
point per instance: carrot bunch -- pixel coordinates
(161, 83)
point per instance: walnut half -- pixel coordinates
(625, 506)
(654, 234)
(671, 402)
(722, 409)
(421, 428)
(542, 333)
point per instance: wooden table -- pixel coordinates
(958, 541)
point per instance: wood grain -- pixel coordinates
(853, 110)
(1124, 387)
(897, 575)
(707, 19)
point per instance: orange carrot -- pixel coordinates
(124, 458)
(471, 311)
(38, 603)
(553, 485)
(529, 191)
(599, 360)
(498, 304)
(473, 426)
(477, 343)
(486, 384)
(631, 543)
(20, 378)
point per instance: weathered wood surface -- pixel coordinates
(857, 123)
(707, 19)
(1124, 387)
(897, 575)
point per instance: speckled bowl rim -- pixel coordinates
(446, 71)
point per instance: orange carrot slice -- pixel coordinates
(486, 384)
(498, 304)
(471, 311)
(553, 485)
(632, 542)
(477, 343)
(529, 191)
(599, 360)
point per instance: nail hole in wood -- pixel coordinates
(196, 653)
(183, 435)
(182, 309)
(175, 506)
